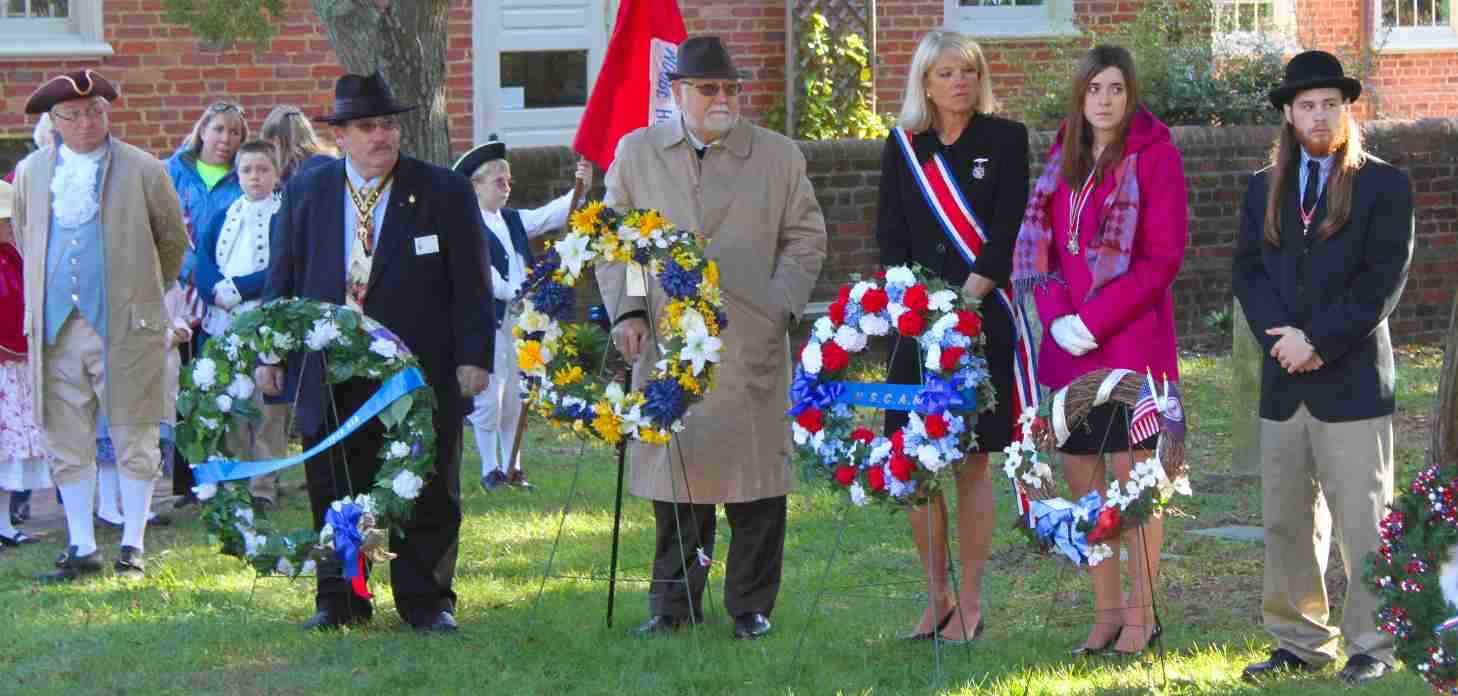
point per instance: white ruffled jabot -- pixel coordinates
(74, 198)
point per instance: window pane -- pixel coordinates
(49, 8)
(1389, 13)
(543, 79)
(1001, 3)
(15, 8)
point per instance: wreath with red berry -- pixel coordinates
(832, 444)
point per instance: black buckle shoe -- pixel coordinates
(1361, 669)
(20, 539)
(1281, 661)
(325, 620)
(658, 624)
(71, 566)
(751, 626)
(439, 622)
(130, 564)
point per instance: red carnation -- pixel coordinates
(874, 300)
(811, 419)
(936, 425)
(951, 356)
(837, 312)
(1106, 526)
(843, 295)
(833, 358)
(877, 479)
(968, 323)
(898, 441)
(911, 324)
(902, 467)
(845, 475)
(916, 298)
(863, 435)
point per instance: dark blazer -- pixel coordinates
(499, 259)
(1339, 291)
(907, 232)
(434, 302)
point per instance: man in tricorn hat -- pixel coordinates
(99, 225)
(389, 236)
(744, 188)
(1326, 239)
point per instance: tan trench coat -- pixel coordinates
(753, 201)
(144, 236)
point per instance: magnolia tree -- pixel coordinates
(404, 39)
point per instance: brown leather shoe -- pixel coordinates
(518, 479)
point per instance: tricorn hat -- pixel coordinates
(468, 163)
(704, 56)
(78, 84)
(1314, 70)
(362, 96)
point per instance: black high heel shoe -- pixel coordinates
(927, 635)
(1086, 649)
(1153, 639)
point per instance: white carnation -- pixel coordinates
(942, 301)
(205, 373)
(398, 450)
(225, 403)
(407, 485)
(874, 325)
(857, 494)
(930, 458)
(241, 388)
(384, 348)
(824, 329)
(860, 289)
(946, 323)
(810, 358)
(900, 275)
(934, 358)
(851, 340)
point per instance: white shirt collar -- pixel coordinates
(68, 154)
(358, 179)
(1323, 163)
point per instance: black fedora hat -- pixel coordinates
(362, 96)
(1314, 70)
(468, 163)
(704, 56)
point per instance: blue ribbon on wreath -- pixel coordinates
(938, 396)
(1056, 520)
(217, 470)
(347, 540)
(808, 391)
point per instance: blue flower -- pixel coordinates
(721, 319)
(665, 401)
(553, 299)
(678, 282)
(643, 255)
(574, 412)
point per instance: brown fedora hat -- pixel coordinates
(77, 84)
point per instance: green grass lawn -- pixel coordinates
(191, 627)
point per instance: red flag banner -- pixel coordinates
(632, 89)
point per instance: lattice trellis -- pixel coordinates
(843, 16)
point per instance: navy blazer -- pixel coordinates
(432, 301)
(1339, 292)
(499, 259)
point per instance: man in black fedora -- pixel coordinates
(1326, 239)
(386, 235)
(745, 189)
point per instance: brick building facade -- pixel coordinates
(167, 76)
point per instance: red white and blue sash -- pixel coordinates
(967, 234)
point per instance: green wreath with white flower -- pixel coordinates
(554, 383)
(217, 390)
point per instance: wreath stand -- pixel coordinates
(626, 377)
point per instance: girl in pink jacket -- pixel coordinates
(1101, 243)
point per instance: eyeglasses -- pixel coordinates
(370, 125)
(93, 112)
(711, 89)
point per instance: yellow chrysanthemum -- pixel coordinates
(711, 274)
(568, 375)
(650, 222)
(606, 424)
(689, 384)
(586, 219)
(654, 437)
(529, 356)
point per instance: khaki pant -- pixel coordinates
(75, 387)
(263, 439)
(1314, 474)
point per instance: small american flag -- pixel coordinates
(1145, 422)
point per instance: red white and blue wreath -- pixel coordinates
(831, 444)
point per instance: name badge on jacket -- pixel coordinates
(427, 245)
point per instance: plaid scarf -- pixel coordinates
(1107, 257)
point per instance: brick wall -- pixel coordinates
(1218, 163)
(166, 76)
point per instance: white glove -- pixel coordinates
(1071, 335)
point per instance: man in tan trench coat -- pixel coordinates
(99, 225)
(745, 189)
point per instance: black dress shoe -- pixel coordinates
(658, 624)
(1281, 660)
(325, 620)
(439, 622)
(20, 539)
(159, 519)
(1089, 650)
(1361, 669)
(71, 566)
(130, 564)
(751, 626)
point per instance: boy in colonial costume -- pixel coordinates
(231, 265)
(497, 414)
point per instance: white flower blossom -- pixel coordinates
(1182, 486)
(269, 358)
(896, 309)
(857, 495)
(930, 458)
(1098, 553)
(384, 348)
(859, 289)
(851, 340)
(398, 450)
(699, 347)
(946, 323)
(810, 358)
(880, 451)
(934, 358)
(283, 341)
(205, 373)
(232, 346)
(208, 423)
(205, 491)
(943, 301)
(874, 325)
(575, 250)
(407, 484)
(614, 393)
(252, 543)
(241, 388)
(824, 329)
(324, 332)
(900, 275)
(224, 402)
(244, 514)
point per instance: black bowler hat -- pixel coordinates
(468, 163)
(361, 96)
(704, 56)
(1314, 70)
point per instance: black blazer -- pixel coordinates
(1339, 291)
(436, 302)
(906, 230)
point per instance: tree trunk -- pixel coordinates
(1444, 448)
(406, 41)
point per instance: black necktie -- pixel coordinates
(1313, 178)
(701, 150)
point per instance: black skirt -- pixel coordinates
(994, 428)
(1105, 430)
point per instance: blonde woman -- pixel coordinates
(946, 120)
(299, 147)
